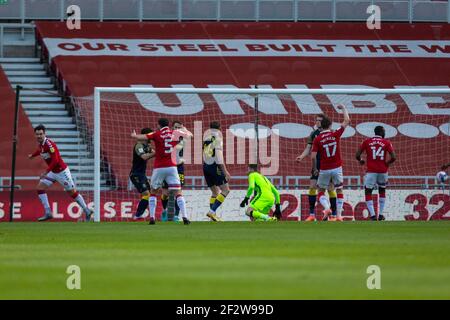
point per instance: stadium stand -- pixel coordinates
(80, 70)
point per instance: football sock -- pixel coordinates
(80, 200)
(340, 203)
(177, 209)
(211, 201)
(182, 205)
(44, 200)
(152, 205)
(143, 204)
(324, 201)
(382, 200)
(164, 201)
(369, 202)
(312, 197)
(219, 200)
(333, 196)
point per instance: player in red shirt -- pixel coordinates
(57, 172)
(165, 166)
(376, 150)
(327, 146)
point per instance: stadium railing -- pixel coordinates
(228, 10)
(9, 26)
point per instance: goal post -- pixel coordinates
(297, 100)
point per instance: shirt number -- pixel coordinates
(168, 145)
(330, 149)
(377, 152)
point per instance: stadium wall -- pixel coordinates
(401, 205)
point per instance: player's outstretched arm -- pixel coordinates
(346, 121)
(136, 136)
(305, 153)
(34, 154)
(185, 133)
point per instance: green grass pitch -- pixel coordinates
(231, 260)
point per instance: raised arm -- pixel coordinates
(136, 136)
(346, 121)
(183, 132)
(445, 166)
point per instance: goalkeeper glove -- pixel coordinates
(277, 213)
(244, 202)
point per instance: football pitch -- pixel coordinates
(230, 260)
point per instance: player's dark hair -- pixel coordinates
(214, 125)
(146, 130)
(379, 131)
(175, 122)
(40, 127)
(163, 122)
(322, 115)
(325, 123)
(253, 166)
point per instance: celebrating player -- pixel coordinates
(165, 168)
(376, 149)
(57, 171)
(266, 196)
(327, 146)
(142, 152)
(176, 125)
(214, 169)
(312, 192)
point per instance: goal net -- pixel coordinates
(262, 124)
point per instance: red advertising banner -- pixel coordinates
(401, 205)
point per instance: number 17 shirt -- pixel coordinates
(327, 145)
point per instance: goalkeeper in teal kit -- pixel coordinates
(266, 195)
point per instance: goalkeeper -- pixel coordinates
(266, 195)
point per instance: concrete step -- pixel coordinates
(80, 161)
(73, 140)
(55, 126)
(20, 60)
(51, 120)
(82, 169)
(33, 80)
(35, 86)
(68, 134)
(74, 154)
(25, 73)
(46, 99)
(38, 93)
(71, 147)
(21, 66)
(48, 113)
(40, 105)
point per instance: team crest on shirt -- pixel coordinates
(52, 150)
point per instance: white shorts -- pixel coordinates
(64, 178)
(170, 175)
(371, 180)
(333, 176)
